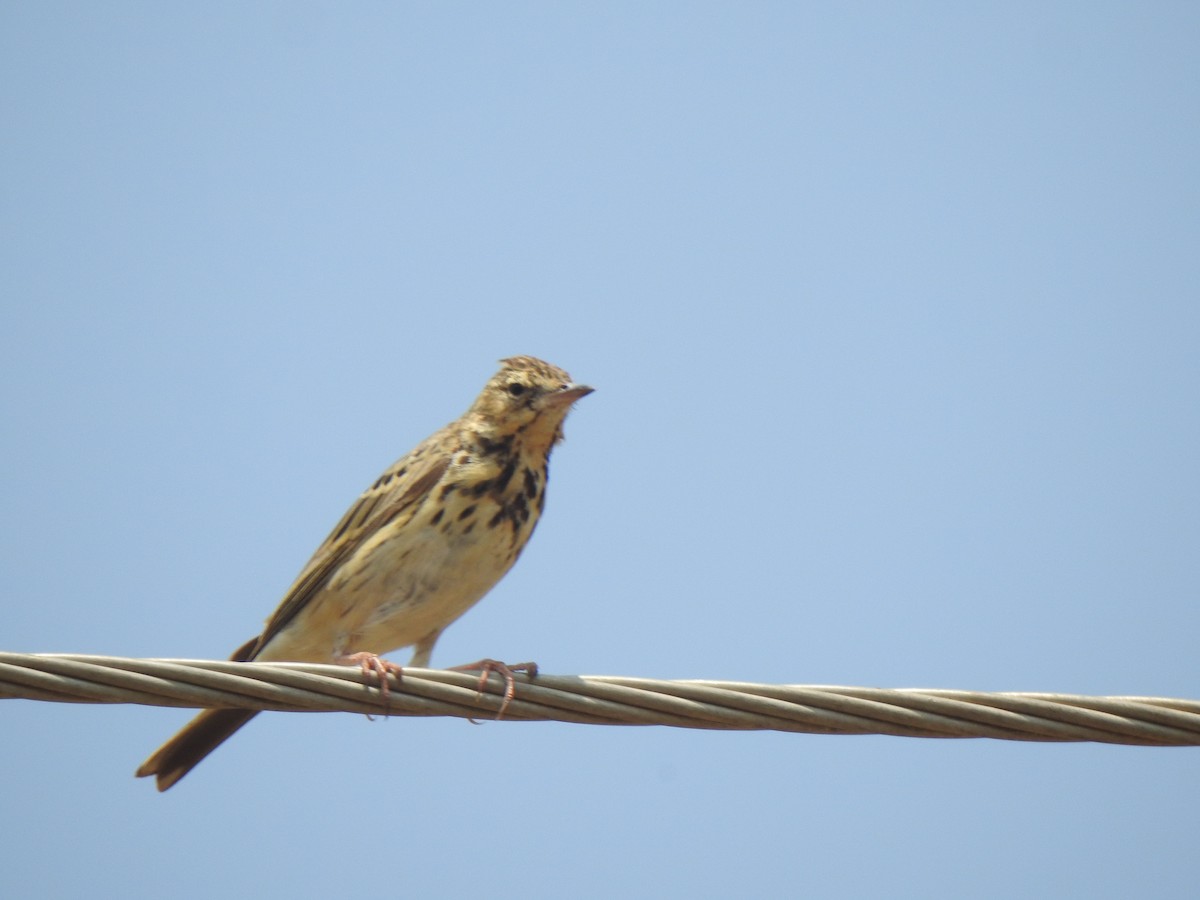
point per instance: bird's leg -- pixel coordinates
(371, 663)
(488, 666)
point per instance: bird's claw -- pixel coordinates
(505, 671)
(372, 664)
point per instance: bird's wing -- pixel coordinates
(397, 491)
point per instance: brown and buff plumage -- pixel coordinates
(419, 548)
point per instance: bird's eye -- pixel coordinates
(516, 389)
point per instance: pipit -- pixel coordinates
(419, 548)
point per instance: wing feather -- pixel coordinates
(397, 491)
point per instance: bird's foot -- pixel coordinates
(372, 664)
(488, 666)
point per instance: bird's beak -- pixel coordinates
(567, 395)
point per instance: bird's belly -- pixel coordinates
(437, 583)
(394, 591)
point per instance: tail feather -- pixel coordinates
(200, 737)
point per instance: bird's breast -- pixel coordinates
(418, 575)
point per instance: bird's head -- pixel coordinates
(527, 397)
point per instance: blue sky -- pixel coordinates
(892, 314)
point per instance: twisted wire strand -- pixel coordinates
(604, 700)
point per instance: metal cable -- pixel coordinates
(604, 700)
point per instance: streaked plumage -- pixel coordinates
(419, 548)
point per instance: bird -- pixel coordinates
(422, 545)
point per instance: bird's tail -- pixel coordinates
(196, 740)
